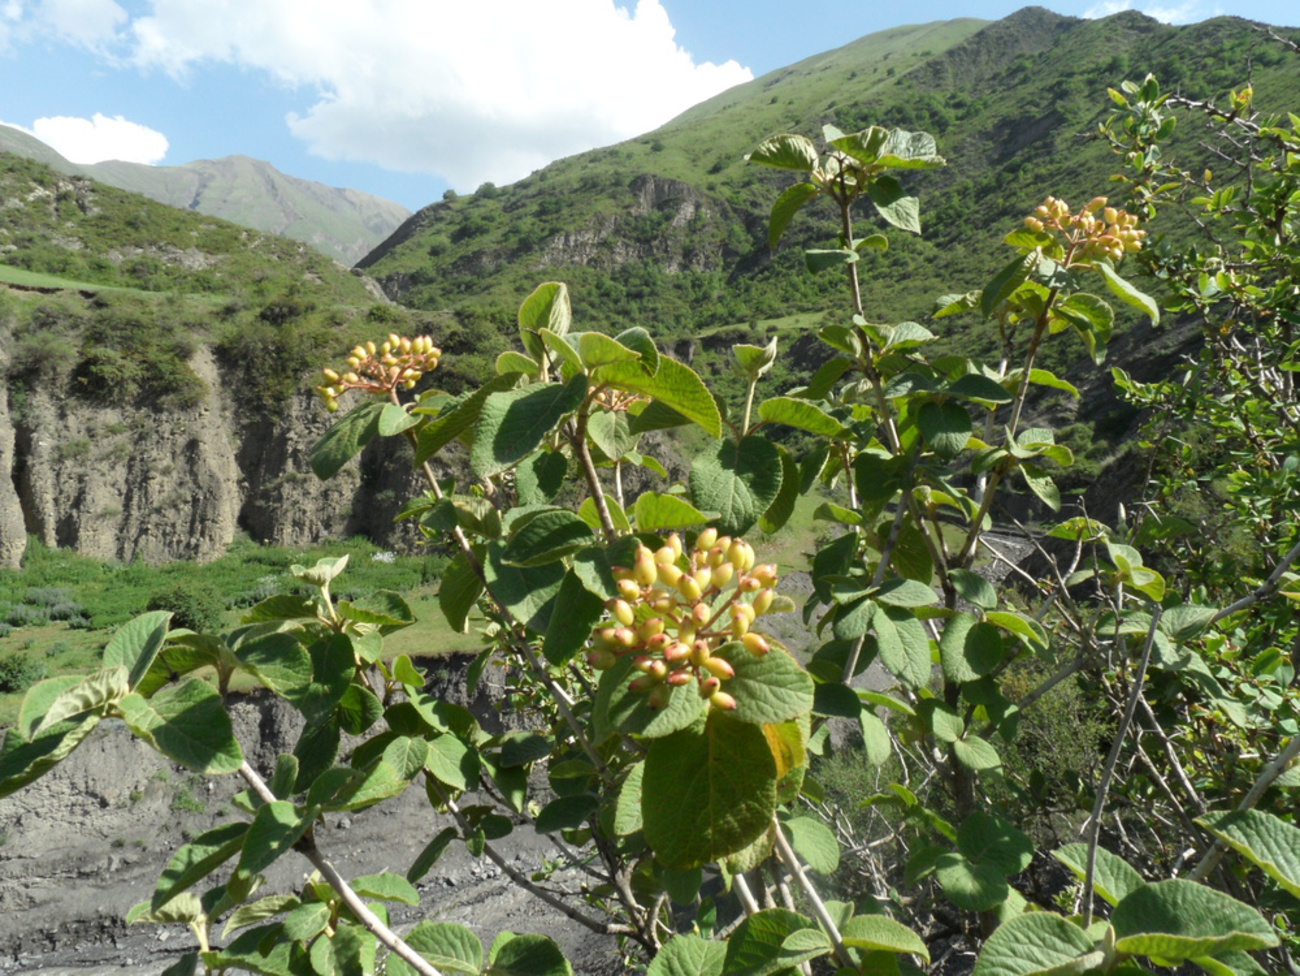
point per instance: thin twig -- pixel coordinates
(1108, 773)
(372, 922)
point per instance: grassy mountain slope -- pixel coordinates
(110, 293)
(345, 224)
(669, 230)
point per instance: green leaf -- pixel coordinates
(577, 611)
(91, 694)
(708, 791)
(654, 511)
(429, 856)
(566, 813)
(394, 419)
(1036, 944)
(345, 439)
(785, 152)
(910, 150)
(969, 650)
(261, 910)
(639, 340)
(526, 955)
(945, 426)
(136, 643)
(1005, 282)
(820, 259)
(789, 203)
(611, 433)
(458, 593)
(943, 720)
(674, 385)
(973, 386)
(627, 808)
(276, 827)
(880, 933)
(974, 588)
(280, 663)
(546, 538)
(1114, 878)
(758, 946)
(598, 349)
(526, 592)
(548, 307)
(452, 762)
(782, 507)
(768, 689)
(618, 708)
(1126, 293)
(451, 948)
(904, 593)
(739, 480)
(513, 423)
(540, 476)
(876, 744)
(800, 414)
(815, 843)
(1267, 841)
(1042, 485)
(1176, 920)
(1020, 625)
(986, 838)
(511, 361)
(904, 646)
(689, 955)
(188, 723)
(976, 753)
(974, 887)
(386, 887)
(460, 418)
(894, 205)
(196, 860)
(22, 761)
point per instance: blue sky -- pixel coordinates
(404, 98)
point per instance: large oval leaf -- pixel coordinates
(737, 479)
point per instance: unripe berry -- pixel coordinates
(601, 660)
(700, 656)
(677, 652)
(716, 557)
(688, 588)
(658, 643)
(625, 636)
(642, 663)
(740, 624)
(659, 695)
(749, 584)
(741, 555)
(765, 574)
(706, 539)
(669, 574)
(664, 603)
(721, 575)
(678, 678)
(666, 555)
(720, 668)
(675, 543)
(654, 627)
(330, 375)
(703, 578)
(686, 630)
(763, 601)
(628, 589)
(720, 699)
(710, 686)
(642, 684)
(622, 611)
(332, 405)
(643, 570)
(394, 340)
(755, 644)
(701, 614)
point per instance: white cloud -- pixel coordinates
(100, 138)
(92, 24)
(1184, 13)
(468, 92)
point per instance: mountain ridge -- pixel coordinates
(343, 223)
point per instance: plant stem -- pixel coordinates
(791, 860)
(1108, 772)
(372, 922)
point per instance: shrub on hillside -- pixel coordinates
(19, 673)
(191, 607)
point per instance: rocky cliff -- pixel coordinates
(140, 483)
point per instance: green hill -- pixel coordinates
(668, 230)
(344, 224)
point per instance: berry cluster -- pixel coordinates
(672, 614)
(1090, 235)
(395, 362)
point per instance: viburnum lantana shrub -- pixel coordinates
(670, 740)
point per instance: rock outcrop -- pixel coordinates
(157, 485)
